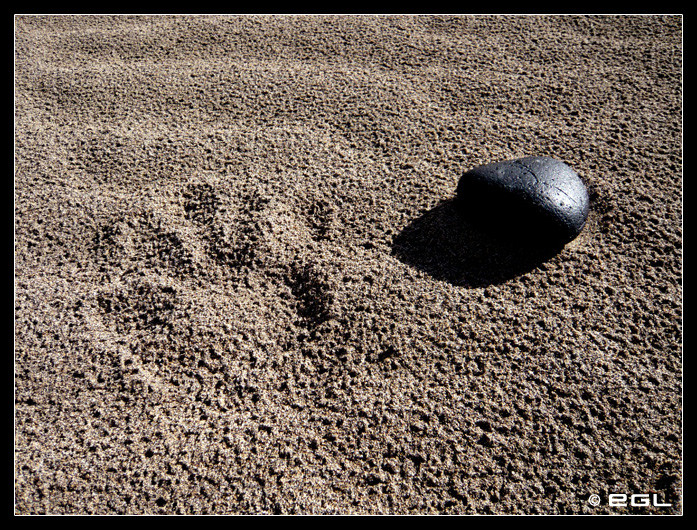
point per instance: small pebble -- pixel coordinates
(534, 198)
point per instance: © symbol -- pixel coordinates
(594, 500)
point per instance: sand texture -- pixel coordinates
(242, 286)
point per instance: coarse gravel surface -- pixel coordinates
(241, 286)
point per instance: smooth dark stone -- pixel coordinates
(530, 199)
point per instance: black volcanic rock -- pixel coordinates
(535, 198)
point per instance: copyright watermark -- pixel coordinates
(594, 500)
(637, 500)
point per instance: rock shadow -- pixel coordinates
(448, 245)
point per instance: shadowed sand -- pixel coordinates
(448, 246)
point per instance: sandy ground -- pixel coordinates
(241, 286)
